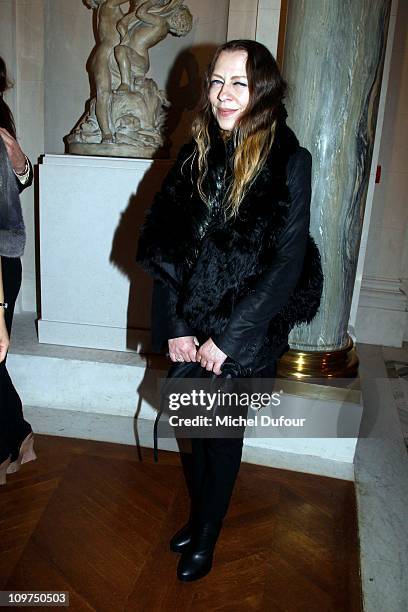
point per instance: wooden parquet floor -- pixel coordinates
(93, 519)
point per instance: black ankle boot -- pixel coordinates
(181, 540)
(196, 560)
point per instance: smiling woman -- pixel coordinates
(227, 242)
(229, 93)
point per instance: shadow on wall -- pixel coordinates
(184, 96)
(183, 89)
(123, 257)
(124, 248)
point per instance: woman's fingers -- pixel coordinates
(211, 357)
(182, 349)
(217, 368)
(193, 354)
(7, 137)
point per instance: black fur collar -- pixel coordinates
(172, 231)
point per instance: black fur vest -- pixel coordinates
(218, 261)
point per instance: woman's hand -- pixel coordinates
(183, 348)
(4, 338)
(211, 357)
(17, 157)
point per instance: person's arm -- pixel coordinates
(19, 161)
(142, 13)
(165, 298)
(4, 337)
(248, 326)
(127, 21)
(159, 255)
(169, 328)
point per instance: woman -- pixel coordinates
(16, 438)
(227, 242)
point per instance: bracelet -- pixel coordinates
(3, 305)
(26, 167)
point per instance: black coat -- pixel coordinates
(246, 282)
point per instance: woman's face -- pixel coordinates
(229, 93)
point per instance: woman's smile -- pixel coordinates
(226, 112)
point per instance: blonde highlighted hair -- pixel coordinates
(254, 131)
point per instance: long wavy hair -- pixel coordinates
(254, 131)
(6, 116)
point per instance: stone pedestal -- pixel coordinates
(92, 292)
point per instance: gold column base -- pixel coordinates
(342, 363)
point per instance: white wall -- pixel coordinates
(8, 44)
(68, 42)
(381, 315)
(258, 19)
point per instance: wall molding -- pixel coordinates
(382, 311)
(384, 293)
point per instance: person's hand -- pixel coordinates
(4, 338)
(211, 357)
(183, 348)
(17, 157)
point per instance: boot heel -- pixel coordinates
(3, 471)
(25, 454)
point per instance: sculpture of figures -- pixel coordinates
(127, 115)
(144, 29)
(109, 14)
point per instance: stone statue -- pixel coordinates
(127, 114)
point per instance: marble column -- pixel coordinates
(333, 62)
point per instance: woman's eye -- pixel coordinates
(239, 83)
(215, 82)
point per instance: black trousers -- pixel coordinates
(215, 467)
(13, 427)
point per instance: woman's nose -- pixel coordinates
(224, 93)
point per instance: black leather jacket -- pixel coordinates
(251, 316)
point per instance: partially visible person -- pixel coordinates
(16, 173)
